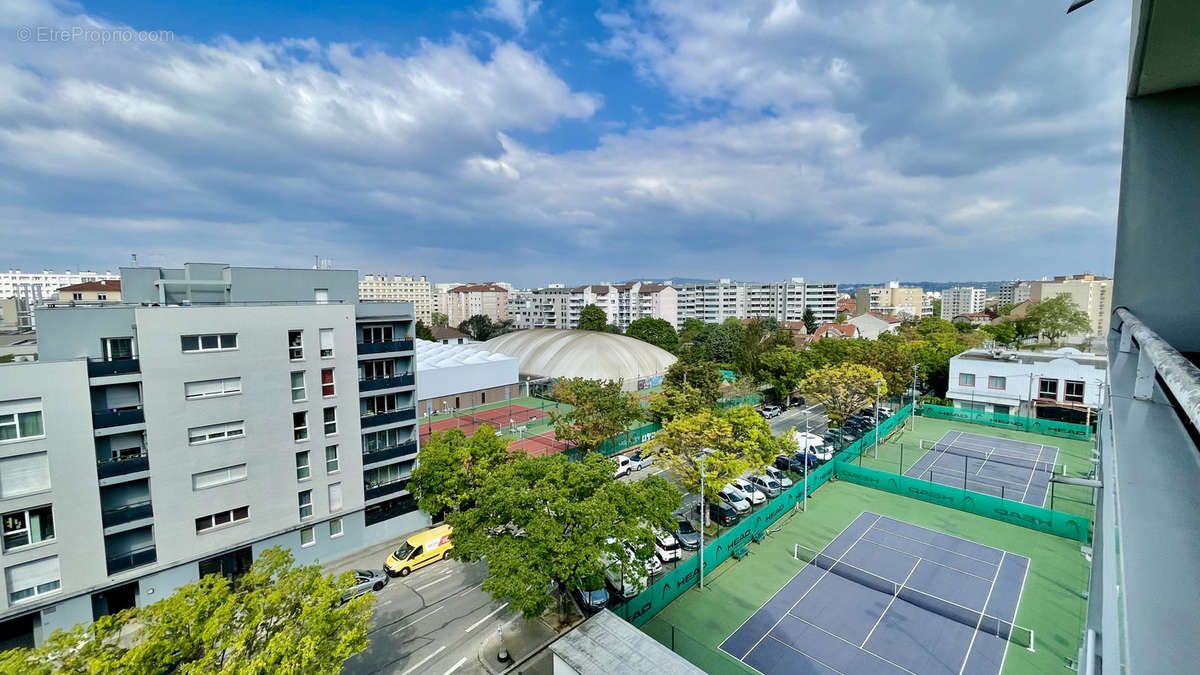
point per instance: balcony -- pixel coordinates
(380, 489)
(383, 454)
(389, 417)
(123, 465)
(384, 347)
(103, 367)
(119, 417)
(135, 558)
(401, 380)
(126, 513)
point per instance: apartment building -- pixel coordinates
(1014, 292)
(415, 290)
(902, 302)
(962, 300)
(557, 306)
(37, 287)
(216, 412)
(782, 301)
(468, 300)
(91, 291)
(1063, 384)
(1090, 293)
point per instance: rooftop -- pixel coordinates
(980, 354)
(435, 355)
(102, 285)
(605, 644)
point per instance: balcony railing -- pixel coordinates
(401, 380)
(1156, 355)
(135, 558)
(101, 367)
(381, 347)
(371, 491)
(118, 417)
(127, 513)
(390, 417)
(383, 454)
(121, 466)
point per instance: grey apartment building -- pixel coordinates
(216, 412)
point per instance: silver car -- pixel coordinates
(766, 485)
(364, 581)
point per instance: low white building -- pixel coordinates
(453, 376)
(1063, 384)
(872, 325)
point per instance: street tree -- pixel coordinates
(591, 317)
(275, 618)
(599, 409)
(689, 331)
(703, 375)
(451, 466)
(1059, 316)
(844, 389)
(546, 524)
(1003, 332)
(439, 319)
(688, 388)
(657, 332)
(810, 320)
(783, 369)
(424, 332)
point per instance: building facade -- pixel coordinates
(1090, 293)
(466, 301)
(557, 306)
(415, 290)
(782, 301)
(1064, 384)
(962, 300)
(35, 288)
(1014, 292)
(902, 302)
(91, 292)
(872, 325)
(218, 412)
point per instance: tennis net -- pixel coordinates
(988, 454)
(1005, 630)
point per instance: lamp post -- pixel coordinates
(804, 507)
(913, 414)
(878, 384)
(703, 513)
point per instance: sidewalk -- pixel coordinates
(379, 551)
(523, 638)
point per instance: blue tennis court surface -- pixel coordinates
(1001, 467)
(879, 599)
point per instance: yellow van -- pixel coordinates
(420, 550)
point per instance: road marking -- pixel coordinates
(414, 621)
(655, 473)
(456, 666)
(492, 613)
(439, 580)
(424, 660)
(468, 590)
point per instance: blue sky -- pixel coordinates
(537, 141)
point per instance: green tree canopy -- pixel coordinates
(783, 369)
(479, 327)
(424, 332)
(600, 409)
(439, 319)
(1059, 316)
(546, 519)
(1003, 332)
(451, 467)
(657, 332)
(844, 389)
(591, 317)
(277, 618)
(688, 388)
(720, 342)
(810, 320)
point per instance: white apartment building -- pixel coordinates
(558, 307)
(417, 290)
(469, 300)
(1090, 293)
(38, 287)
(1014, 292)
(962, 300)
(782, 300)
(439, 291)
(927, 300)
(902, 302)
(1063, 384)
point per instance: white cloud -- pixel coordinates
(515, 13)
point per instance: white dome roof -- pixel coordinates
(432, 355)
(547, 352)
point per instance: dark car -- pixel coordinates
(687, 535)
(723, 514)
(591, 599)
(798, 461)
(783, 463)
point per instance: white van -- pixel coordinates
(623, 466)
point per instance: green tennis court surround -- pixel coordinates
(1030, 424)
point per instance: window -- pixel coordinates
(321, 295)
(327, 382)
(77, 296)
(326, 343)
(308, 537)
(22, 528)
(303, 472)
(381, 440)
(21, 419)
(966, 380)
(335, 497)
(215, 477)
(300, 425)
(378, 370)
(222, 518)
(101, 296)
(1048, 389)
(996, 382)
(375, 405)
(1073, 391)
(373, 334)
(298, 386)
(335, 528)
(210, 388)
(295, 344)
(208, 343)
(117, 349)
(385, 475)
(216, 432)
(305, 499)
(24, 475)
(331, 459)
(330, 421)
(32, 579)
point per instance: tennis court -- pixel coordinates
(889, 596)
(539, 445)
(1002, 467)
(501, 418)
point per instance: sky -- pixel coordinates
(539, 142)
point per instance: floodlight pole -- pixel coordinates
(912, 414)
(703, 518)
(804, 506)
(878, 384)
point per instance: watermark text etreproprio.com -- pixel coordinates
(91, 34)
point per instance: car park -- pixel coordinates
(735, 498)
(623, 466)
(747, 488)
(766, 485)
(687, 535)
(779, 476)
(666, 546)
(364, 582)
(640, 460)
(769, 411)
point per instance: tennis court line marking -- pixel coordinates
(1032, 471)
(945, 446)
(823, 574)
(943, 548)
(895, 595)
(932, 561)
(1020, 593)
(967, 656)
(799, 651)
(836, 637)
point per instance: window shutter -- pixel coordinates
(327, 338)
(335, 497)
(32, 574)
(24, 475)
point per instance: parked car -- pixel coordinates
(735, 498)
(623, 466)
(799, 459)
(687, 535)
(629, 581)
(653, 564)
(640, 460)
(752, 493)
(723, 513)
(419, 550)
(365, 581)
(884, 410)
(779, 476)
(766, 485)
(591, 599)
(769, 411)
(666, 546)
(782, 463)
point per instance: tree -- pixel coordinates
(720, 342)
(1003, 332)
(751, 345)
(439, 319)
(591, 317)
(1005, 310)
(424, 332)
(479, 327)
(782, 368)
(451, 467)
(547, 522)
(599, 410)
(810, 320)
(703, 375)
(689, 331)
(275, 618)
(1059, 316)
(688, 388)
(657, 332)
(613, 328)
(843, 389)
(840, 318)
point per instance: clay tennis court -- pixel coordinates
(496, 418)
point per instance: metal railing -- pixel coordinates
(135, 558)
(382, 347)
(382, 454)
(119, 466)
(399, 380)
(102, 419)
(127, 513)
(371, 491)
(389, 417)
(1157, 356)
(102, 367)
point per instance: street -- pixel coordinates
(796, 416)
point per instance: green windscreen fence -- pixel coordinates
(1030, 424)
(621, 442)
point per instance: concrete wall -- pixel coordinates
(75, 332)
